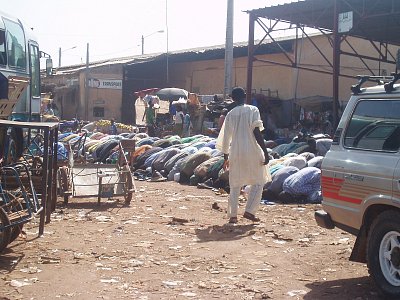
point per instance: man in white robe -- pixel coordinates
(245, 154)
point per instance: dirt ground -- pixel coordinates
(173, 242)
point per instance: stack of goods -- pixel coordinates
(104, 127)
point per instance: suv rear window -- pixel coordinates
(374, 125)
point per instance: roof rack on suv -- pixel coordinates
(388, 82)
(389, 86)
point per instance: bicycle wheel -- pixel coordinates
(5, 233)
(13, 205)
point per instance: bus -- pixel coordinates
(19, 70)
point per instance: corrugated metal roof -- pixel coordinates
(112, 61)
(199, 53)
(138, 58)
(376, 20)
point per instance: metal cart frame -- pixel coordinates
(79, 179)
(48, 192)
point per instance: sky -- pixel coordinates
(115, 28)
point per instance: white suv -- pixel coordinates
(361, 180)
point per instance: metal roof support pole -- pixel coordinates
(336, 63)
(228, 49)
(250, 58)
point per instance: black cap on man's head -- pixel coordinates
(238, 93)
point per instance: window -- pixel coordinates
(98, 112)
(374, 125)
(15, 42)
(3, 55)
(35, 71)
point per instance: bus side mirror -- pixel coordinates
(49, 66)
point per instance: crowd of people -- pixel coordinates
(182, 124)
(238, 159)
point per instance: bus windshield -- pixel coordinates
(15, 44)
(20, 97)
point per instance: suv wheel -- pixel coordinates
(383, 252)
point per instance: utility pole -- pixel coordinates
(228, 49)
(87, 84)
(60, 52)
(59, 57)
(142, 44)
(166, 27)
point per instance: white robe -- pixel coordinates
(246, 158)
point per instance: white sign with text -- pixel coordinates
(345, 21)
(115, 84)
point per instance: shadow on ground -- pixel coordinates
(9, 260)
(92, 204)
(362, 288)
(226, 232)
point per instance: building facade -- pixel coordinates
(107, 89)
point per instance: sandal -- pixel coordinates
(251, 217)
(233, 220)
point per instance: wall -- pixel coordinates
(109, 99)
(312, 83)
(71, 98)
(65, 93)
(207, 76)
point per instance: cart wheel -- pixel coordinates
(4, 232)
(127, 178)
(13, 206)
(64, 183)
(17, 229)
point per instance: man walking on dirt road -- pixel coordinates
(241, 141)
